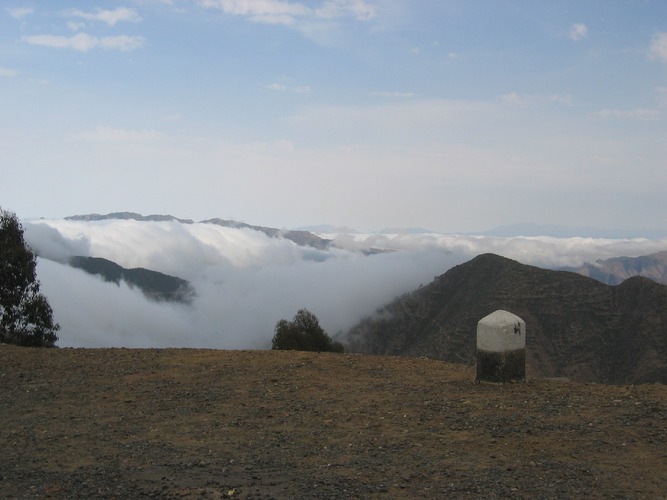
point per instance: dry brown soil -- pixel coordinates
(125, 423)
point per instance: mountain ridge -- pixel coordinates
(301, 238)
(154, 285)
(577, 327)
(128, 216)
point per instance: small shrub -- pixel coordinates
(303, 333)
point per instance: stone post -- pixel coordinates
(501, 348)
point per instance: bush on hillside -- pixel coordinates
(303, 333)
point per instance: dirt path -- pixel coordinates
(259, 424)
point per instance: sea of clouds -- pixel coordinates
(246, 281)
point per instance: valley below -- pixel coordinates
(186, 423)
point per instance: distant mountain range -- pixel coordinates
(577, 327)
(155, 285)
(512, 230)
(302, 238)
(617, 269)
(128, 216)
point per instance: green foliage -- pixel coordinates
(303, 333)
(26, 317)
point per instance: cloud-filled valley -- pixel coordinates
(246, 281)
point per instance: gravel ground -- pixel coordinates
(127, 423)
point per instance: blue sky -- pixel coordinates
(452, 115)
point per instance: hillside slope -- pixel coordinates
(126, 423)
(155, 285)
(577, 327)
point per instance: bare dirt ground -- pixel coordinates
(123, 423)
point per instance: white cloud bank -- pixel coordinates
(246, 281)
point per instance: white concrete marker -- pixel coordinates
(501, 348)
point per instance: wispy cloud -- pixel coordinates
(384, 93)
(110, 17)
(633, 114)
(286, 12)
(19, 12)
(561, 99)
(83, 42)
(75, 26)
(578, 31)
(516, 98)
(265, 11)
(280, 87)
(8, 72)
(110, 134)
(658, 47)
(662, 96)
(359, 9)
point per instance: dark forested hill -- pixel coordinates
(576, 327)
(153, 284)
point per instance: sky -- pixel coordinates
(447, 114)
